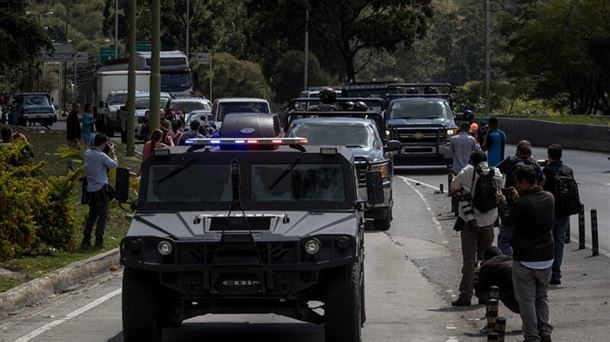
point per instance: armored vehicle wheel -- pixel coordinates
(342, 305)
(384, 223)
(141, 309)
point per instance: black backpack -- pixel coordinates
(567, 200)
(485, 192)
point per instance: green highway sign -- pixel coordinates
(144, 45)
(106, 54)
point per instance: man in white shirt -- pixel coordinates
(476, 238)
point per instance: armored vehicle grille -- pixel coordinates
(421, 135)
(361, 168)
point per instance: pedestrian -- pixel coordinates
(193, 133)
(462, 146)
(494, 143)
(26, 148)
(87, 122)
(97, 163)
(7, 134)
(523, 155)
(178, 133)
(166, 128)
(474, 127)
(155, 142)
(73, 131)
(531, 215)
(13, 116)
(479, 182)
(559, 180)
(496, 270)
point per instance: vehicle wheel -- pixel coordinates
(141, 308)
(342, 305)
(384, 223)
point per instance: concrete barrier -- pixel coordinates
(544, 133)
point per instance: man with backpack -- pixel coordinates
(479, 182)
(523, 156)
(559, 180)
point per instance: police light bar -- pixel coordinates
(246, 141)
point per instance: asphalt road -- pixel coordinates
(591, 170)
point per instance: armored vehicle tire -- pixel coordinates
(384, 223)
(141, 308)
(342, 305)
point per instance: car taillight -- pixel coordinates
(383, 168)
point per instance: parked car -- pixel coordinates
(230, 105)
(189, 104)
(35, 107)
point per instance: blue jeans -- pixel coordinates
(560, 226)
(531, 291)
(504, 237)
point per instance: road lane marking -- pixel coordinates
(434, 220)
(68, 317)
(420, 182)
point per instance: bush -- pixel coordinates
(34, 209)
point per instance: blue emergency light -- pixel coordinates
(253, 141)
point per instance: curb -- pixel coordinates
(58, 281)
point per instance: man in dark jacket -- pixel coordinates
(562, 217)
(497, 270)
(531, 216)
(73, 132)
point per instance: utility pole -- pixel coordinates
(487, 58)
(211, 58)
(131, 80)
(306, 61)
(188, 26)
(64, 78)
(155, 74)
(116, 29)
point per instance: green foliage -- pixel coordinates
(234, 77)
(288, 71)
(34, 209)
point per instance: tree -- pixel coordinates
(340, 29)
(287, 77)
(234, 78)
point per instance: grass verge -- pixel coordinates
(569, 119)
(45, 144)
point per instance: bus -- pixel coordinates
(176, 77)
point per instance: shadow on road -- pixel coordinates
(212, 332)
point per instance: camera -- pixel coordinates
(542, 162)
(109, 146)
(509, 194)
(466, 210)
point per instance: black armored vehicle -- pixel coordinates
(246, 223)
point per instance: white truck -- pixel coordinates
(112, 94)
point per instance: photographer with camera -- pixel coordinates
(478, 184)
(98, 160)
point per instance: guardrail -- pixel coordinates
(544, 133)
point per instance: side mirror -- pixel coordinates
(122, 185)
(374, 187)
(392, 145)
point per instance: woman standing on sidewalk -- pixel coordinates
(87, 125)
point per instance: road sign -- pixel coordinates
(81, 57)
(106, 54)
(144, 45)
(203, 58)
(62, 53)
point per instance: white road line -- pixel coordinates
(420, 182)
(434, 220)
(68, 317)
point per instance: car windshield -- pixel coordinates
(116, 99)
(330, 134)
(37, 100)
(188, 106)
(144, 102)
(426, 109)
(175, 81)
(197, 183)
(242, 107)
(303, 183)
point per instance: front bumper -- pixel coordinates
(234, 268)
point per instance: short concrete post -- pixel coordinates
(492, 337)
(440, 188)
(501, 328)
(494, 292)
(491, 315)
(581, 228)
(594, 236)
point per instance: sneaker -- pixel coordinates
(555, 281)
(461, 302)
(546, 338)
(99, 245)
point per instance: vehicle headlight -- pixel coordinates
(165, 248)
(450, 132)
(383, 168)
(312, 246)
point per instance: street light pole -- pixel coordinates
(306, 61)
(487, 58)
(155, 72)
(116, 29)
(131, 80)
(188, 26)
